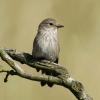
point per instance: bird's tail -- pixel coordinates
(44, 83)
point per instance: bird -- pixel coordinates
(46, 43)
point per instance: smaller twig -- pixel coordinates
(11, 72)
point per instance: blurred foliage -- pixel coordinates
(79, 43)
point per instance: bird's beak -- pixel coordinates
(59, 26)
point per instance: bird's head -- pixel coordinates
(49, 24)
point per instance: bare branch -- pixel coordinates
(63, 77)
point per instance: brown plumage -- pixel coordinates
(46, 43)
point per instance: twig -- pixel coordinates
(63, 77)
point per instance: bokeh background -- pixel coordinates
(79, 43)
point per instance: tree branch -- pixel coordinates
(62, 76)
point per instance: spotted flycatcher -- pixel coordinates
(46, 43)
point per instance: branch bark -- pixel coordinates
(63, 78)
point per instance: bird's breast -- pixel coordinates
(47, 46)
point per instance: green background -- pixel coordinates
(79, 44)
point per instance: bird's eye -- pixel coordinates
(51, 23)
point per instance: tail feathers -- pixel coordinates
(37, 70)
(44, 83)
(50, 84)
(47, 73)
